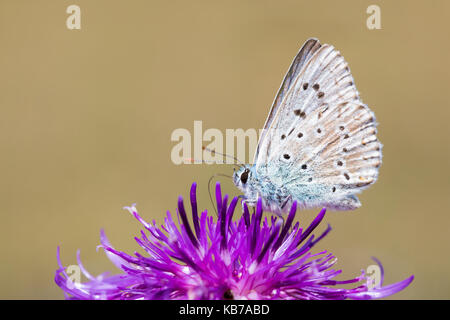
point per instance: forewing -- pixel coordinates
(322, 137)
(303, 56)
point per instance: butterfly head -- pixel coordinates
(243, 177)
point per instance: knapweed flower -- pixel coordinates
(223, 259)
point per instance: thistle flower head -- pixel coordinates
(248, 258)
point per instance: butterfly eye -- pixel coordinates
(244, 176)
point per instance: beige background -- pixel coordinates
(86, 118)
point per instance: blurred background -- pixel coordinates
(87, 116)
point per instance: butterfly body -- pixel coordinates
(278, 195)
(319, 144)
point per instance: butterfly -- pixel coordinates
(319, 145)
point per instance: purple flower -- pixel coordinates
(224, 259)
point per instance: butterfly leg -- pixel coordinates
(283, 206)
(285, 202)
(283, 221)
(243, 202)
(248, 202)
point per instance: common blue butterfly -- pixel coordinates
(319, 144)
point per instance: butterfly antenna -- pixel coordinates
(225, 155)
(194, 161)
(209, 189)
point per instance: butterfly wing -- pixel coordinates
(305, 53)
(321, 141)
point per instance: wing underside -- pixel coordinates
(319, 132)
